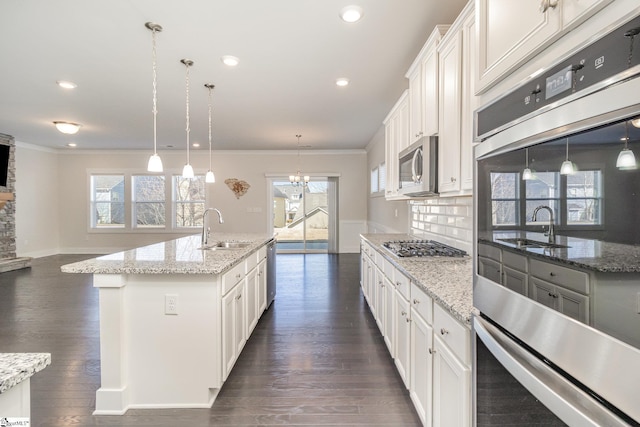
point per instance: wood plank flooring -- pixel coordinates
(316, 357)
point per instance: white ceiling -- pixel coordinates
(291, 52)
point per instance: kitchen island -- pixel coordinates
(16, 370)
(174, 318)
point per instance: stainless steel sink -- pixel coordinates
(528, 243)
(224, 245)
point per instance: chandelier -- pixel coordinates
(298, 178)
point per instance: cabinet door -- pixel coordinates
(262, 287)
(451, 388)
(509, 33)
(516, 280)
(389, 316)
(421, 367)
(430, 92)
(490, 269)
(573, 304)
(576, 11)
(401, 119)
(403, 339)
(251, 301)
(415, 105)
(469, 102)
(449, 117)
(240, 318)
(381, 302)
(229, 351)
(543, 292)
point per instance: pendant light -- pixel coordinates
(187, 171)
(567, 167)
(626, 158)
(526, 173)
(155, 163)
(298, 179)
(209, 177)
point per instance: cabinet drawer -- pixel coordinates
(453, 333)
(252, 260)
(489, 251)
(575, 280)
(232, 277)
(515, 261)
(422, 303)
(388, 269)
(262, 253)
(402, 284)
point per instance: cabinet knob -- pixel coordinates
(382, 285)
(239, 296)
(416, 302)
(431, 351)
(404, 313)
(453, 179)
(443, 331)
(552, 295)
(552, 274)
(408, 320)
(546, 4)
(238, 276)
(398, 284)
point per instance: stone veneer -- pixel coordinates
(8, 260)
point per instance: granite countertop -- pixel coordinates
(447, 280)
(17, 367)
(179, 256)
(595, 255)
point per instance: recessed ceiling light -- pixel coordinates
(342, 81)
(67, 127)
(229, 60)
(195, 145)
(351, 13)
(66, 84)
(72, 144)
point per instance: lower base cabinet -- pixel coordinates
(451, 388)
(421, 367)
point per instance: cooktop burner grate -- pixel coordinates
(422, 248)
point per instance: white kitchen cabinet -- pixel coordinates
(252, 292)
(421, 359)
(455, 158)
(262, 286)
(451, 387)
(390, 321)
(402, 337)
(510, 32)
(396, 139)
(233, 333)
(423, 88)
(381, 301)
(559, 298)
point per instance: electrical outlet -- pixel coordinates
(171, 304)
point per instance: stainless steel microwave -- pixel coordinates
(418, 168)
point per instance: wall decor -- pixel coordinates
(238, 186)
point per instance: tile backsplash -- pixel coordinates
(445, 219)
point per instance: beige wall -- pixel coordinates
(65, 186)
(383, 216)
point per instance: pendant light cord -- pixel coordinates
(210, 87)
(187, 63)
(155, 92)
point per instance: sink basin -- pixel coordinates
(225, 245)
(528, 243)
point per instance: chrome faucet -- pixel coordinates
(207, 230)
(551, 232)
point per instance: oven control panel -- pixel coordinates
(612, 58)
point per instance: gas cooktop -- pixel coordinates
(422, 248)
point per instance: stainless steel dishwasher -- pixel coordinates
(271, 272)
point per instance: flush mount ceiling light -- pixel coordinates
(66, 84)
(298, 179)
(67, 127)
(567, 167)
(187, 171)
(626, 159)
(351, 13)
(195, 145)
(526, 173)
(229, 60)
(209, 177)
(342, 81)
(72, 144)
(636, 122)
(155, 162)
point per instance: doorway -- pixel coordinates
(304, 216)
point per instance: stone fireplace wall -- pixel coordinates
(8, 213)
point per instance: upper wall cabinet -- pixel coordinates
(510, 32)
(423, 88)
(456, 103)
(396, 129)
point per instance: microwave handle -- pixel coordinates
(414, 176)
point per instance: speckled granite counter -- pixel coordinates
(589, 254)
(180, 256)
(447, 280)
(17, 367)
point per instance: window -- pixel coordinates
(576, 200)
(107, 201)
(379, 178)
(188, 199)
(374, 180)
(148, 201)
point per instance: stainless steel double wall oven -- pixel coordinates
(557, 266)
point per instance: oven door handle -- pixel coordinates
(568, 402)
(417, 155)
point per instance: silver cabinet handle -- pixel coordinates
(416, 302)
(431, 351)
(408, 320)
(443, 331)
(546, 4)
(239, 296)
(404, 313)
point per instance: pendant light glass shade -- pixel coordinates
(626, 159)
(209, 177)
(155, 162)
(526, 173)
(187, 171)
(567, 167)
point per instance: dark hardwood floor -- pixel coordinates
(315, 358)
